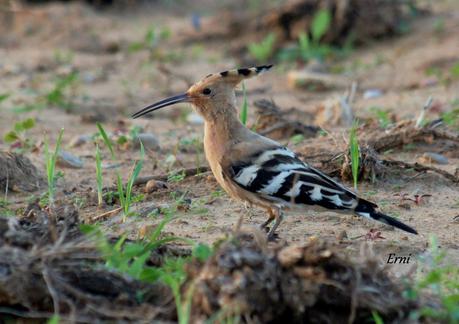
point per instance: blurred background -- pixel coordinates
(72, 64)
(365, 90)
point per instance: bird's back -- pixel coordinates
(275, 173)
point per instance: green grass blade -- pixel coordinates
(119, 181)
(376, 317)
(355, 154)
(107, 141)
(99, 176)
(245, 106)
(119, 184)
(51, 166)
(320, 24)
(135, 173)
(48, 165)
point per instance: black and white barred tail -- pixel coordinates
(367, 210)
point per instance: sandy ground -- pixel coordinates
(46, 41)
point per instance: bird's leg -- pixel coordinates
(278, 217)
(269, 220)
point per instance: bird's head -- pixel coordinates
(211, 96)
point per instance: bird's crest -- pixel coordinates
(237, 75)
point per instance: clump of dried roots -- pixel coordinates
(47, 267)
(314, 282)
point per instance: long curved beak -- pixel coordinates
(161, 104)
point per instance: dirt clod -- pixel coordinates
(47, 265)
(313, 282)
(17, 173)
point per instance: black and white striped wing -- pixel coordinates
(280, 176)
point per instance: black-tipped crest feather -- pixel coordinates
(246, 72)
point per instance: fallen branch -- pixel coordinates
(372, 166)
(272, 121)
(405, 133)
(420, 168)
(106, 214)
(187, 172)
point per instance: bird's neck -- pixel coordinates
(224, 124)
(221, 132)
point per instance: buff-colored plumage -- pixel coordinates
(256, 169)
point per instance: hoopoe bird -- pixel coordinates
(256, 169)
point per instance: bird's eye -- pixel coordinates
(206, 91)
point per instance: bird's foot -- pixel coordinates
(273, 237)
(264, 228)
(374, 235)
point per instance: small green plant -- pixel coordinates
(439, 25)
(51, 167)
(320, 24)
(131, 136)
(58, 95)
(382, 116)
(264, 50)
(451, 118)
(151, 41)
(18, 136)
(297, 139)
(444, 76)
(309, 43)
(4, 201)
(176, 176)
(311, 47)
(99, 176)
(5, 205)
(245, 106)
(376, 317)
(438, 276)
(454, 70)
(55, 319)
(124, 193)
(62, 56)
(131, 258)
(173, 274)
(4, 96)
(217, 193)
(354, 153)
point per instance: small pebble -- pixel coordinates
(342, 235)
(154, 185)
(290, 255)
(68, 160)
(146, 230)
(149, 141)
(428, 82)
(93, 117)
(372, 93)
(317, 66)
(79, 140)
(315, 81)
(404, 205)
(194, 119)
(430, 157)
(111, 165)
